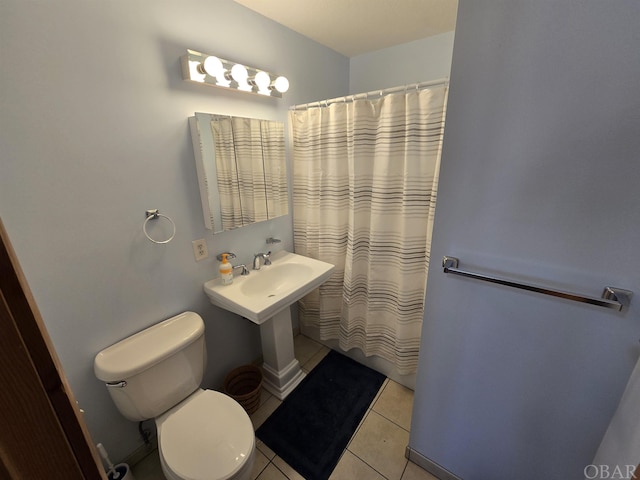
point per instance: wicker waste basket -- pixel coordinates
(243, 384)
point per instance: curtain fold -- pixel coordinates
(364, 189)
(247, 139)
(275, 171)
(239, 152)
(227, 173)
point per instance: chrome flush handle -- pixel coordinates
(120, 384)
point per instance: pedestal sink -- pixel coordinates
(264, 297)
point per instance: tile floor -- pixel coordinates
(375, 452)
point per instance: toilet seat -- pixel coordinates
(208, 435)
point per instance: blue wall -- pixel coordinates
(94, 131)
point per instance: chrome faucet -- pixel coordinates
(245, 270)
(265, 258)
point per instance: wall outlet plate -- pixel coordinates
(200, 250)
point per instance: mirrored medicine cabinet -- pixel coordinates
(241, 167)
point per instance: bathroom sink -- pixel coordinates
(264, 297)
(265, 292)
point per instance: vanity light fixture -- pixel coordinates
(218, 72)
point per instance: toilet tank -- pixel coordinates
(153, 370)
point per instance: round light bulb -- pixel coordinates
(262, 80)
(213, 66)
(281, 84)
(239, 73)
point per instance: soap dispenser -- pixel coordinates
(226, 271)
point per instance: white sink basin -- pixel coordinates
(265, 292)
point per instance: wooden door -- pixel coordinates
(42, 432)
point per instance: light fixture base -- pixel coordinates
(193, 70)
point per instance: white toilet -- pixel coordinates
(156, 373)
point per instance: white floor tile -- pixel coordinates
(272, 473)
(414, 472)
(395, 403)
(259, 464)
(381, 444)
(351, 467)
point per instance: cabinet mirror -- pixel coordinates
(241, 168)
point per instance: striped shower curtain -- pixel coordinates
(227, 173)
(240, 169)
(364, 187)
(275, 171)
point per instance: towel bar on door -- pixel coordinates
(612, 297)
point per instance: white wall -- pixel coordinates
(93, 132)
(539, 180)
(413, 62)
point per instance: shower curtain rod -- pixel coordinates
(372, 94)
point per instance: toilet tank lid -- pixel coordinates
(141, 351)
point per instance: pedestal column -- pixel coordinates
(282, 371)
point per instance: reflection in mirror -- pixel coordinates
(241, 169)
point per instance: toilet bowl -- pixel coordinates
(156, 373)
(209, 435)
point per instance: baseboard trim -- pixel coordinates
(429, 465)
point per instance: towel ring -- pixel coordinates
(153, 215)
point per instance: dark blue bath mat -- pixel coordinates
(315, 422)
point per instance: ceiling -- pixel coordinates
(354, 27)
